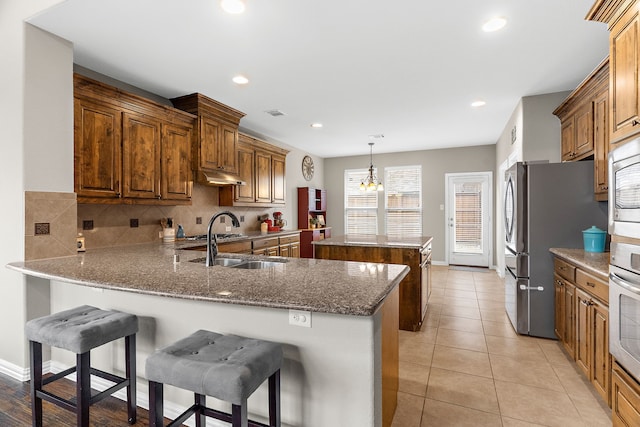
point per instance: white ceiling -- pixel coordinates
(408, 69)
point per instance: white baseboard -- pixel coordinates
(171, 410)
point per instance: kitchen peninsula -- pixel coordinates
(338, 371)
(412, 251)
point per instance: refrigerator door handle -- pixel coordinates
(531, 288)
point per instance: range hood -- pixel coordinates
(221, 177)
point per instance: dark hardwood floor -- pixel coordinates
(15, 407)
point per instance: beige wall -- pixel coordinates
(435, 164)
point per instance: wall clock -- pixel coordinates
(307, 168)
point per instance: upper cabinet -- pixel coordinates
(584, 118)
(262, 167)
(623, 21)
(128, 149)
(216, 135)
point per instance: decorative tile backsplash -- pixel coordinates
(112, 223)
(50, 224)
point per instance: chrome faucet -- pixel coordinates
(212, 244)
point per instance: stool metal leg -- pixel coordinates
(83, 388)
(156, 408)
(274, 399)
(35, 350)
(130, 356)
(239, 415)
(201, 402)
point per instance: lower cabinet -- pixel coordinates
(625, 398)
(582, 323)
(285, 246)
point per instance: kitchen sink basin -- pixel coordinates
(240, 263)
(256, 265)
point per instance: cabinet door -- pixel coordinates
(601, 146)
(278, 190)
(140, 156)
(263, 177)
(568, 139)
(559, 307)
(97, 150)
(285, 250)
(209, 142)
(625, 95)
(570, 319)
(625, 399)
(601, 359)
(583, 144)
(273, 251)
(294, 250)
(583, 332)
(176, 162)
(227, 148)
(246, 170)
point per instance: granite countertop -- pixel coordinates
(596, 263)
(304, 284)
(379, 240)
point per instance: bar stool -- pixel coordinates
(227, 367)
(79, 330)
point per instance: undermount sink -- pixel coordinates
(240, 263)
(256, 265)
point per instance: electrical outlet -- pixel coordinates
(223, 220)
(87, 224)
(198, 220)
(42, 228)
(227, 229)
(241, 218)
(300, 318)
(133, 222)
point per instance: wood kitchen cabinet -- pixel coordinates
(584, 118)
(262, 167)
(582, 323)
(128, 149)
(623, 22)
(625, 398)
(216, 138)
(290, 246)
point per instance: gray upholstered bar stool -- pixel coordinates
(79, 330)
(227, 367)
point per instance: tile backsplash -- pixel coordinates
(112, 223)
(50, 224)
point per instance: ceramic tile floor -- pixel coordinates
(467, 367)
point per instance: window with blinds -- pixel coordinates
(403, 201)
(361, 207)
(468, 225)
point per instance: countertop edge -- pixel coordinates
(592, 262)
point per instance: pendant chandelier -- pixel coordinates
(371, 182)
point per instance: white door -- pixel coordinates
(469, 200)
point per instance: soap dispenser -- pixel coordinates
(180, 232)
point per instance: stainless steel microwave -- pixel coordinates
(624, 190)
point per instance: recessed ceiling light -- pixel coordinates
(478, 103)
(494, 24)
(316, 125)
(240, 80)
(232, 6)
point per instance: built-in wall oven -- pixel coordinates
(624, 306)
(624, 190)
(624, 268)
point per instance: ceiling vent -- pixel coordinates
(275, 113)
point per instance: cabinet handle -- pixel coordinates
(593, 285)
(585, 303)
(635, 122)
(117, 188)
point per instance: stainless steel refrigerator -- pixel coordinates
(546, 205)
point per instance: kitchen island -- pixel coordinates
(333, 370)
(412, 251)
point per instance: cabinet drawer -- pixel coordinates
(564, 270)
(235, 247)
(265, 243)
(290, 239)
(625, 399)
(593, 285)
